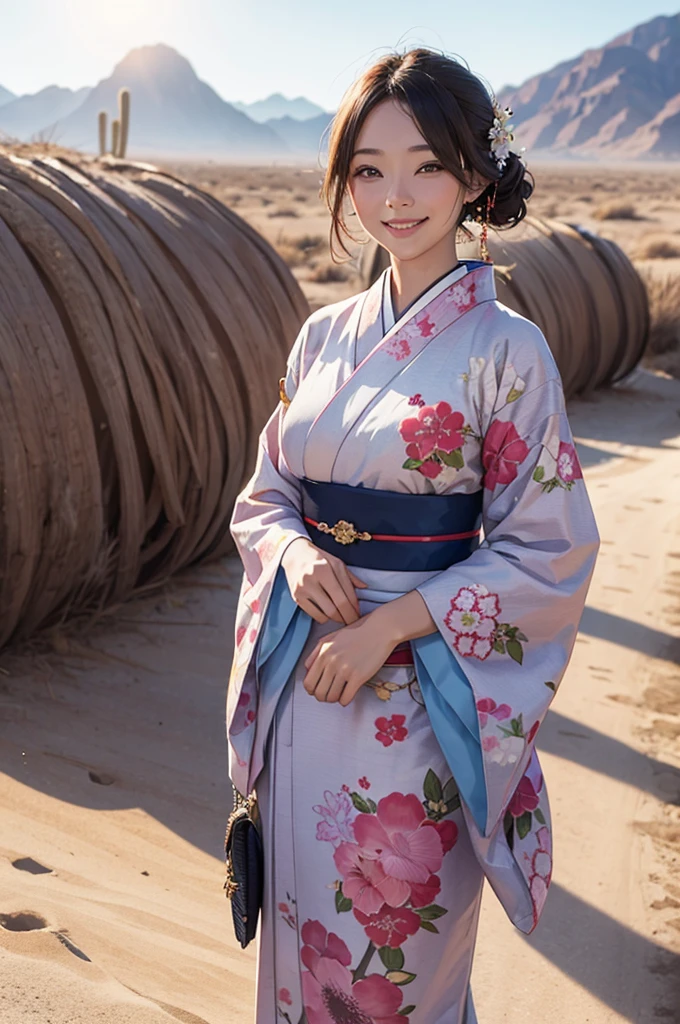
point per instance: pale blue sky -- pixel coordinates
(249, 49)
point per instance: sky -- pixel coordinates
(248, 49)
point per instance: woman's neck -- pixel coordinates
(411, 278)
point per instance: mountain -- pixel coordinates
(5, 95)
(619, 100)
(172, 113)
(302, 137)
(278, 106)
(26, 116)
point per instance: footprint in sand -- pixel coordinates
(28, 921)
(22, 921)
(28, 864)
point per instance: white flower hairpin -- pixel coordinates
(501, 135)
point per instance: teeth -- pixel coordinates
(404, 227)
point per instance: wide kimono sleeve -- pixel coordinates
(266, 519)
(510, 612)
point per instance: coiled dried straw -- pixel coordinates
(143, 329)
(582, 291)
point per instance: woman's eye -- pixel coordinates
(437, 167)
(360, 172)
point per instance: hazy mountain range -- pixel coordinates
(621, 100)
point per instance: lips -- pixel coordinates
(403, 225)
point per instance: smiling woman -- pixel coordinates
(412, 415)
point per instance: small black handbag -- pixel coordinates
(245, 867)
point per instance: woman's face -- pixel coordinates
(402, 195)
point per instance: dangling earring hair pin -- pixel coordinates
(484, 219)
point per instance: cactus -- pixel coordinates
(124, 107)
(102, 132)
(120, 127)
(115, 136)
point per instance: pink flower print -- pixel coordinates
(285, 997)
(284, 908)
(337, 815)
(532, 731)
(430, 468)
(435, 427)
(525, 798)
(540, 874)
(416, 399)
(448, 832)
(472, 620)
(252, 636)
(425, 893)
(425, 326)
(490, 743)
(391, 926)
(397, 837)
(398, 348)
(240, 633)
(319, 944)
(503, 451)
(331, 997)
(568, 465)
(364, 783)
(391, 730)
(363, 880)
(463, 295)
(505, 751)
(487, 706)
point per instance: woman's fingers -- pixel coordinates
(311, 609)
(347, 606)
(355, 579)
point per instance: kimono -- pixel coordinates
(381, 819)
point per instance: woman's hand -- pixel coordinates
(343, 661)
(321, 584)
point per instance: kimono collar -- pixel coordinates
(455, 274)
(366, 358)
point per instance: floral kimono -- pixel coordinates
(381, 819)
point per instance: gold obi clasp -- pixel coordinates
(343, 532)
(282, 392)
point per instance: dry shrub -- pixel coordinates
(309, 244)
(658, 247)
(328, 272)
(284, 211)
(616, 209)
(663, 347)
(297, 251)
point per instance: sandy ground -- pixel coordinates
(113, 792)
(113, 789)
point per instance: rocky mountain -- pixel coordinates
(25, 117)
(303, 137)
(173, 113)
(621, 100)
(5, 95)
(278, 106)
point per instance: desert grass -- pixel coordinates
(663, 347)
(658, 247)
(616, 209)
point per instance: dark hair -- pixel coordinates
(452, 110)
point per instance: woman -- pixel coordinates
(391, 671)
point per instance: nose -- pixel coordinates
(398, 195)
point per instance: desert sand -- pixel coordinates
(114, 794)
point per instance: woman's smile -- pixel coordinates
(403, 227)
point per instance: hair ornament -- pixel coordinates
(501, 135)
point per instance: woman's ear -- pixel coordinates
(475, 190)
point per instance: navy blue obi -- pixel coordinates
(377, 529)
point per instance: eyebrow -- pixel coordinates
(381, 152)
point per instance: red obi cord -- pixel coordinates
(413, 537)
(401, 655)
